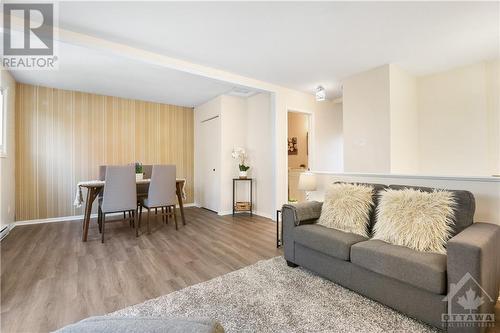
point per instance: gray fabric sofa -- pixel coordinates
(104, 324)
(415, 283)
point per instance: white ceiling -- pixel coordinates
(96, 72)
(298, 45)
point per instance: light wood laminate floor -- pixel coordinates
(49, 278)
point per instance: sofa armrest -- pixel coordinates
(296, 215)
(302, 213)
(475, 250)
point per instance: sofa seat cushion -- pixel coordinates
(329, 241)
(421, 269)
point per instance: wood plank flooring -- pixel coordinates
(49, 278)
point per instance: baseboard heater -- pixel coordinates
(4, 231)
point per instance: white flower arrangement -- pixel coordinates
(240, 154)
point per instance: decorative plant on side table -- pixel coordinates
(240, 154)
(139, 171)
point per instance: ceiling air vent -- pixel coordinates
(241, 92)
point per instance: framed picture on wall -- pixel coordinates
(292, 146)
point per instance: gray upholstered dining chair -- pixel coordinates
(161, 194)
(102, 172)
(142, 189)
(119, 195)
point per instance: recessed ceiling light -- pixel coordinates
(320, 94)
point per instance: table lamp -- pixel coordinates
(307, 183)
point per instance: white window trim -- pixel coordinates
(3, 146)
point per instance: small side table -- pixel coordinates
(250, 204)
(279, 231)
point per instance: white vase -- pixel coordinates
(139, 176)
(243, 174)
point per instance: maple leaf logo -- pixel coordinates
(470, 301)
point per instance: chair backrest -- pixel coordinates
(102, 172)
(142, 189)
(162, 186)
(148, 170)
(120, 192)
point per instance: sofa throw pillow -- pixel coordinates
(347, 208)
(419, 220)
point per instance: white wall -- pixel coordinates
(459, 121)
(366, 121)
(233, 134)
(7, 163)
(403, 122)
(260, 147)
(248, 123)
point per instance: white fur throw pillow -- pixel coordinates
(347, 207)
(419, 220)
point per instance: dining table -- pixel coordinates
(94, 187)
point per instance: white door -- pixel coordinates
(210, 152)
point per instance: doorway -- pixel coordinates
(209, 160)
(299, 151)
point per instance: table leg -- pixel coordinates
(181, 204)
(281, 230)
(91, 195)
(85, 210)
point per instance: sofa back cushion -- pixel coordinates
(375, 197)
(465, 206)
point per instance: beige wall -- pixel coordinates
(298, 126)
(404, 122)
(7, 163)
(459, 121)
(63, 136)
(446, 123)
(366, 117)
(327, 141)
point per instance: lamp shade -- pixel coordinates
(307, 181)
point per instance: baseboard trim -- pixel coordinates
(75, 218)
(267, 216)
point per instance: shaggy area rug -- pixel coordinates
(272, 297)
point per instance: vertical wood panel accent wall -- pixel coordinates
(63, 136)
